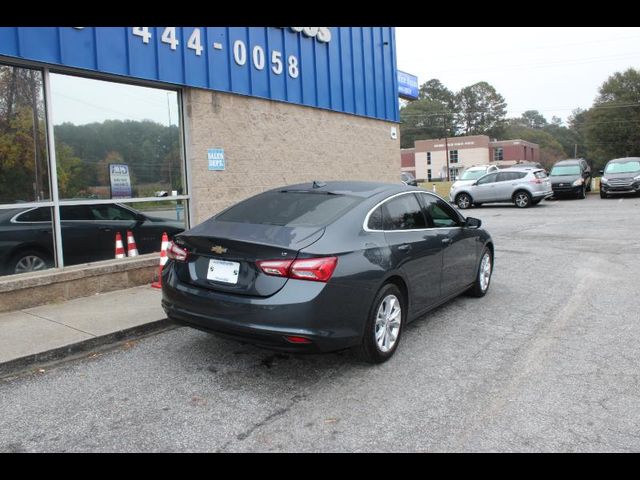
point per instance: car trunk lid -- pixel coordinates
(223, 255)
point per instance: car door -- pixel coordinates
(459, 245)
(484, 190)
(415, 248)
(82, 241)
(505, 185)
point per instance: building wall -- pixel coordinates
(269, 144)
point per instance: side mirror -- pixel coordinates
(601, 172)
(471, 222)
(474, 183)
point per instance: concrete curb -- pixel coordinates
(24, 364)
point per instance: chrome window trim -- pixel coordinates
(366, 218)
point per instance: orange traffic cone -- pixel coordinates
(119, 246)
(163, 260)
(132, 249)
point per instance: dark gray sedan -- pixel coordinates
(325, 266)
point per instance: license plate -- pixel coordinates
(223, 271)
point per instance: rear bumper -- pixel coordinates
(323, 313)
(542, 194)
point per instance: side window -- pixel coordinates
(42, 214)
(111, 212)
(76, 212)
(403, 213)
(375, 220)
(441, 214)
(504, 176)
(488, 179)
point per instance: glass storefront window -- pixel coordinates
(26, 240)
(24, 174)
(89, 231)
(99, 123)
(114, 143)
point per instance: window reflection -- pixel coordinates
(89, 231)
(26, 240)
(24, 173)
(99, 123)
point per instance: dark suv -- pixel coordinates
(621, 175)
(571, 177)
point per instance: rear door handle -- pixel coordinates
(446, 241)
(405, 247)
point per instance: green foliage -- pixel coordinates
(480, 110)
(611, 128)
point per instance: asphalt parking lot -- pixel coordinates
(548, 360)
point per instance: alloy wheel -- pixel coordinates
(30, 263)
(485, 271)
(388, 320)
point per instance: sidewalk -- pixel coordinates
(51, 332)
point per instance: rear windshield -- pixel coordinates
(623, 167)
(566, 170)
(472, 174)
(290, 209)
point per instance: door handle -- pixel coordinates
(104, 229)
(405, 247)
(446, 241)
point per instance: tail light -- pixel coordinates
(536, 180)
(314, 269)
(174, 252)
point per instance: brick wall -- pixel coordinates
(269, 144)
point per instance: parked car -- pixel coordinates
(620, 176)
(325, 266)
(524, 186)
(571, 177)
(471, 174)
(408, 179)
(88, 234)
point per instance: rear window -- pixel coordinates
(290, 209)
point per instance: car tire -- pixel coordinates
(29, 261)
(603, 195)
(583, 193)
(482, 282)
(522, 199)
(378, 343)
(463, 201)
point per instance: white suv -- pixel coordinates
(524, 186)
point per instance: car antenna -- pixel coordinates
(318, 184)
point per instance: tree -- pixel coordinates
(431, 116)
(611, 128)
(551, 150)
(480, 110)
(533, 119)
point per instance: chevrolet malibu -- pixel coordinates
(319, 267)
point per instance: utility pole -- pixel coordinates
(446, 146)
(575, 150)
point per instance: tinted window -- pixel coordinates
(488, 179)
(42, 214)
(76, 212)
(440, 213)
(111, 212)
(290, 208)
(404, 213)
(375, 220)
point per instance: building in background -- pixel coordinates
(428, 159)
(181, 122)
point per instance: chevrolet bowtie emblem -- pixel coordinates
(218, 249)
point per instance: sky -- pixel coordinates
(550, 69)
(81, 100)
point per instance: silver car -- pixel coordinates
(523, 186)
